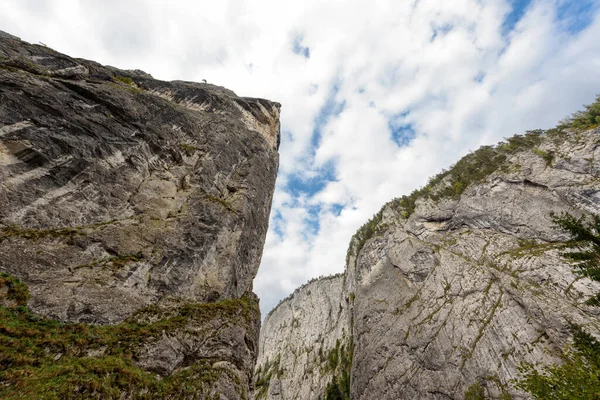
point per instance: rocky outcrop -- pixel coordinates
(453, 288)
(305, 342)
(123, 196)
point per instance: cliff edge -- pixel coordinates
(134, 212)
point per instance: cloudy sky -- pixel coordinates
(377, 95)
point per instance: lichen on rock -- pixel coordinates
(453, 287)
(135, 211)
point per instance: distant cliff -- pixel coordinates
(451, 288)
(137, 206)
(304, 342)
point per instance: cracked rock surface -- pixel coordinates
(464, 290)
(119, 191)
(297, 338)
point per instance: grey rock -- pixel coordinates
(296, 339)
(5, 35)
(119, 191)
(464, 290)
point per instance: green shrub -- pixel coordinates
(264, 374)
(124, 79)
(129, 84)
(585, 241)
(16, 291)
(583, 120)
(44, 359)
(364, 233)
(475, 167)
(341, 365)
(578, 377)
(548, 157)
(475, 392)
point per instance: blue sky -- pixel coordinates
(377, 96)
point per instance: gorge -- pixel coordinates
(133, 216)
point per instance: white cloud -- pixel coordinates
(446, 69)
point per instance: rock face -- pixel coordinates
(303, 341)
(458, 291)
(119, 192)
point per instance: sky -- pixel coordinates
(376, 95)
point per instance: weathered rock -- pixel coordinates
(464, 290)
(119, 191)
(302, 341)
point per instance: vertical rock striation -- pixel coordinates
(451, 289)
(304, 342)
(129, 200)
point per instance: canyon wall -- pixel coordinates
(134, 204)
(452, 288)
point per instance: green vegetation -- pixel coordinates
(127, 84)
(475, 392)
(472, 168)
(37, 234)
(364, 233)
(578, 377)
(475, 167)
(226, 204)
(583, 120)
(339, 360)
(188, 149)
(115, 263)
(27, 233)
(548, 157)
(13, 290)
(264, 373)
(319, 278)
(586, 241)
(124, 79)
(45, 359)
(449, 184)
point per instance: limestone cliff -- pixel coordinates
(135, 203)
(454, 286)
(305, 342)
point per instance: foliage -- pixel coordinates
(450, 184)
(339, 387)
(583, 120)
(28, 233)
(578, 377)
(16, 291)
(364, 233)
(264, 374)
(124, 79)
(128, 84)
(225, 203)
(44, 359)
(586, 240)
(474, 168)
(548, 157)
(475, 392)
(115, 262)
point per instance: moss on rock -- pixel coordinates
(47, 359)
